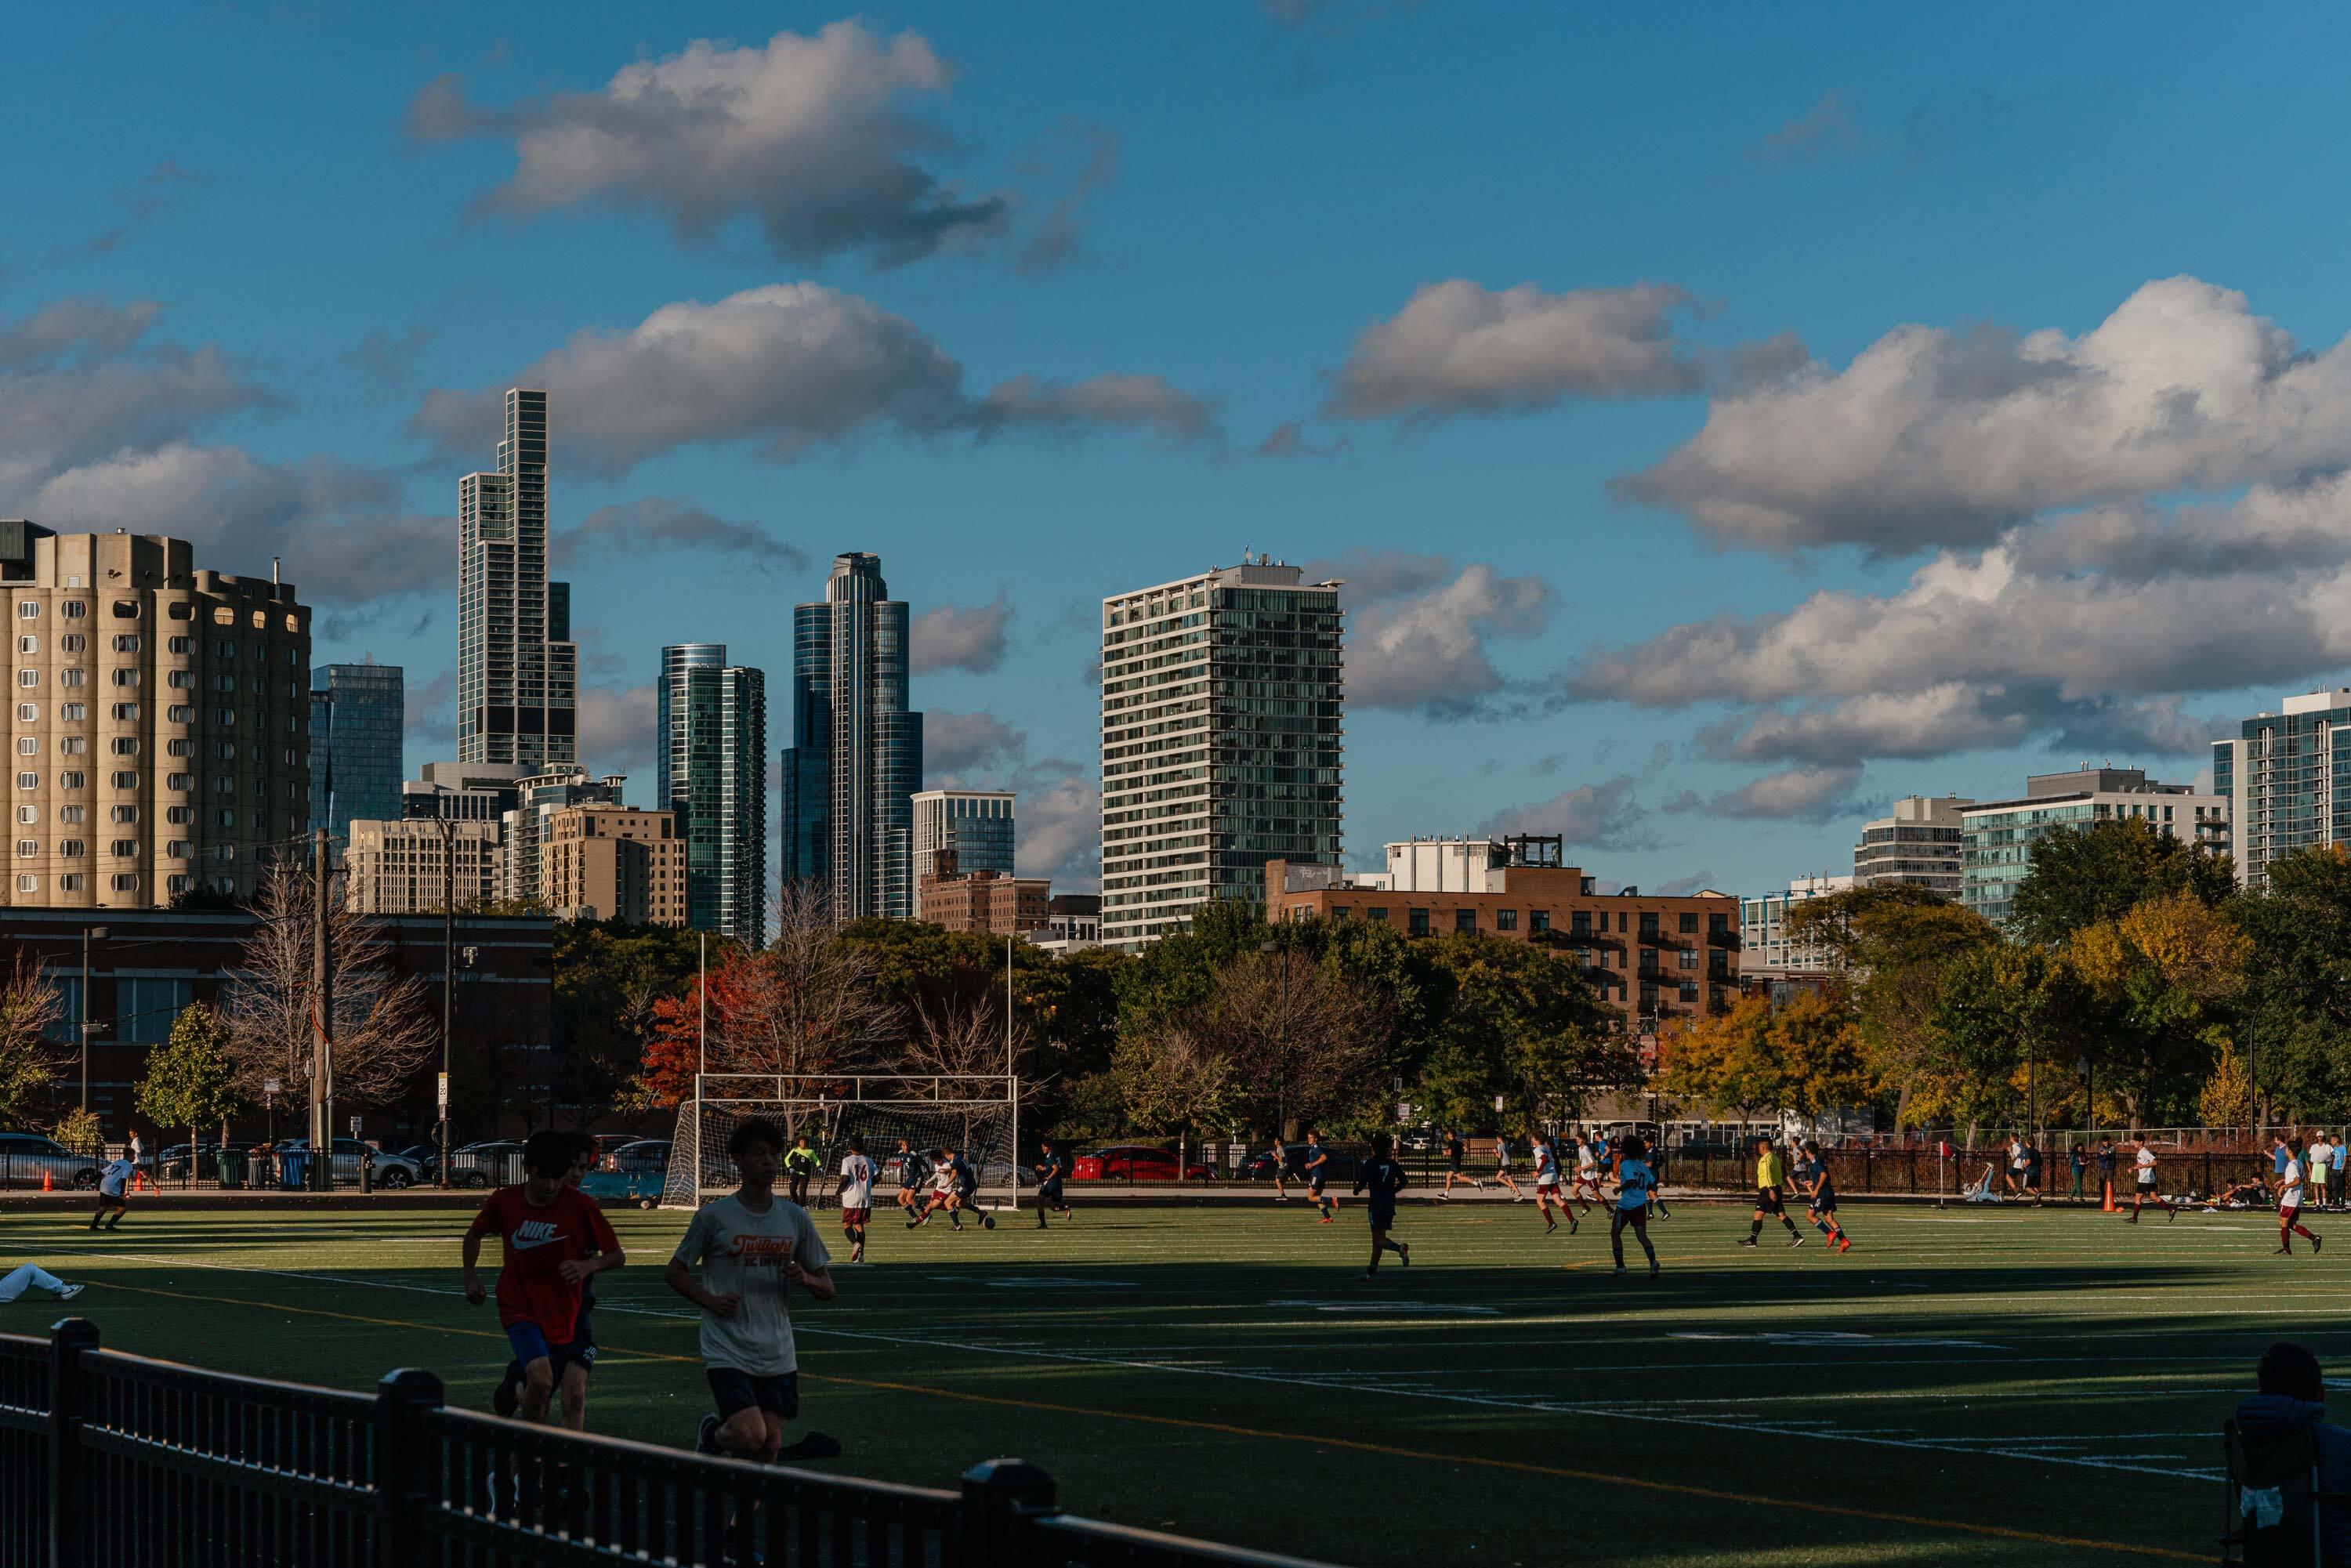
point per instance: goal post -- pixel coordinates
(978, 1114)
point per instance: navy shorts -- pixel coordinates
(530, 1342)
(735, 1391)
(1384, 1218)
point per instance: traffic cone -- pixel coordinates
(2111, 1207)
(46, 1185)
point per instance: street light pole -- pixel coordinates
(448, 825)
(89, 935)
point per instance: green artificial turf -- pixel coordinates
(1226, 1372)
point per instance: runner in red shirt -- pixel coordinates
(554, 1239)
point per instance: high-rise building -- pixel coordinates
(518, 668)
(975, 826)
(358, 717)
(711, 772)
(1221, 743)
(161, 726)
(613, 863)
(1998, 836)
(2286, 781)
(525, 821)
(856, 757)
(1917, 846)
(417, 866)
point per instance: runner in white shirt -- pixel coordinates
(113, 1184)
(1547, 1189)
(1587, 1175)
(2147, 1193)
(1502, 1167)
(943, 1188)
(2318, 1163)
(856, 1197)
(2289, 1195)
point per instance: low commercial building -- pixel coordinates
(1072, 923)
(1918, 845)
(1653, 958)
(1765, 944)
(420, 866)
(613, 863)
(985, 901)
(1998, 835)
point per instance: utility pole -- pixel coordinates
(322, 1014)
(448, 826)
(89, 935)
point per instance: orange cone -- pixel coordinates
(2111, 1207)
(46, 1185)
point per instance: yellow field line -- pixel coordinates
(1223, 1429)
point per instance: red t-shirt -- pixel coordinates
(531, 1289)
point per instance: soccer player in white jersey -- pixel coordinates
(2147, 1193)
(1587, 1174)
(857, 1175)
(2289, 1192)
(1547, 1187)
(752, 1247)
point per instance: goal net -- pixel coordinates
(976, 1116)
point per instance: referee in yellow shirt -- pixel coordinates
(1770, 1176)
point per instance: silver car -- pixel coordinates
(26, 1158)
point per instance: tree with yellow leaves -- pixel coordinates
(1804, 1056)
(2162, 978)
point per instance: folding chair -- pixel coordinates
(2290, 1468)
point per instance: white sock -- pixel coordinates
(29, 1275)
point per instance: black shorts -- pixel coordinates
(1315, 1185)
(1638, 1218)
(1454, 1165)
(735, 1391)
(1050, 1192)
(1825, 1204)
(1767, 1200)
(1384, 1218)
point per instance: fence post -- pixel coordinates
(999, 1497)
(404, 1471)
(68, 1337)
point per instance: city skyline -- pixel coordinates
(1384, 359)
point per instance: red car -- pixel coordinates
(1134, 1162)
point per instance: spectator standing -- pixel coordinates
(2293, 1397)
(2081, 1162)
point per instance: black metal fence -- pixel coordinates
(110, 1461)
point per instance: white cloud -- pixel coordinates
(653, 524)
(1937, 436)
(1372, 575)
(808, 136)
(617, 726)
(786, 366)
(1603, 816)
(955, 742)
(1460, 348)
(1811, 794)
(1826, 127)
(954, 637)
(1427, 649)
(1057, 825)
(431, 715)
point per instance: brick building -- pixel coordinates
(1654, 959)
(613, 863)
(145, 965)
(983, 900)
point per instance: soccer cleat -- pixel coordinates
(1550, 1226)
(1845, 1243)
(2282, 1252)
(1324, 1220)
(1571, 1226)
(1446, 1196)
(69, 1292)
(1748, 1242)
(1795, 1238)
(1620, 1268)
(1404, 1251)
(1653, 1271)
(2315, 1244)
(706, 1437)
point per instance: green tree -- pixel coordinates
(2164, 979)
(2003, 1013)
(1521, 1022)
(1804, 1056)
(191, 1081)
(1175, 1081)
(609, 978)
(2294, 1009)
(2080, 877)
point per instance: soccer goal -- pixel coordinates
(978, 1114)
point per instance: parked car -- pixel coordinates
(384, 1169)
(494, 1162)
(606, 1143)
(639, 1156)
(25, 1158)
(1134, 1162)
(425, 1158)
(171, 1164)
(1258, 1167)
(1418, 1140)
(641, 1188)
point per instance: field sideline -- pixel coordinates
(1992, 1386)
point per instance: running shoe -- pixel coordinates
(705, 1437)
(69, 1292)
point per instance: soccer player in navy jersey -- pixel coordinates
(1383, 1179)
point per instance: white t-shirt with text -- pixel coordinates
(744, 1253)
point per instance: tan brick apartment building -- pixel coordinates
(986, 901)
(1654, 959)
(613, 863)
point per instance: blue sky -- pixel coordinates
(1729, 421)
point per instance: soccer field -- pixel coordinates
(1977, 1388)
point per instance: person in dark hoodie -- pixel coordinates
(2293, 1397)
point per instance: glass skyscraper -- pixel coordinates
(2285, 782)
(518, 668)
(711, 771)
(357, 716)
(856, 758)
(972, 826)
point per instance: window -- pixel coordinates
(73, 677)
(28, 780)
(73, 745)
(28, 678)
(1717, 924)
(125, 813)
(1465, 920)
(28, 813)
(184, 647)
(1580, 922)
(126, 677)
(1689, 991)
(1689, 958)
(27, 712)
(126, 642)
(1375, 912)
(125, 780)
(293, 624)
(1689, 924)
(226, 717)
(180, 712)
(73, 816)
(178, 850)
(74, 642)
(73, 713)
(28, 884)
(1506, 920)
(28, 610)
(261, 621)
(126, 849)
(124, 746)
(28, 848)
(28, 645)
(223, 616)
(178, 816)
(181, 748)
(179, 610)
(126, 882)
(126, 710)
(73, 780)
(1649, 923)
(1648, 960)
(1416, 922)
(224, 682)
(1538, 920)
(71, 849)
(70, 882)
(126, 609)
(178, 884)
(224, 818)
(181, 781)
(225, 750)
(74, 609)
(29, 745)
(181, 680)
(224, 785)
